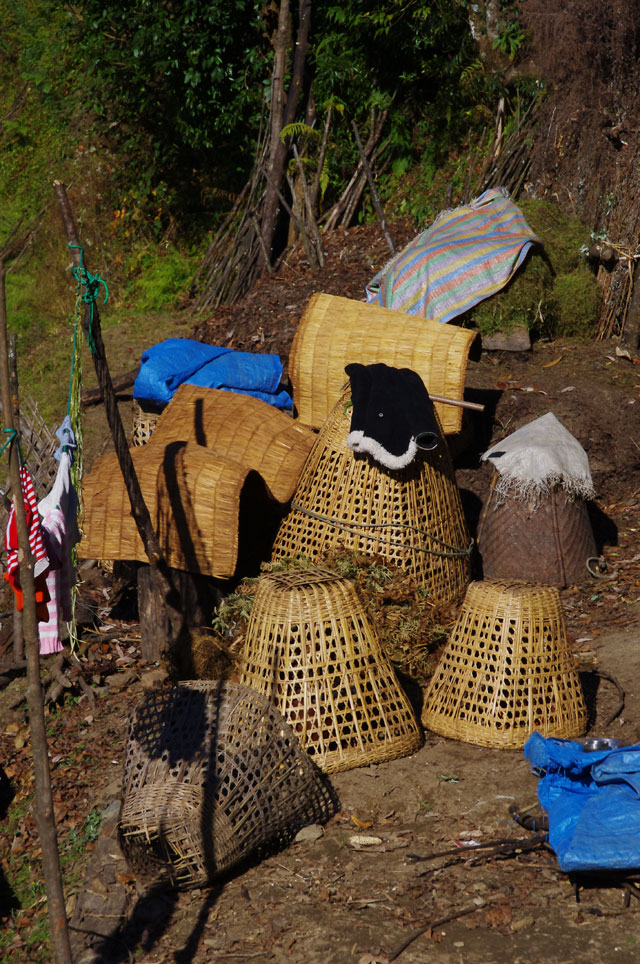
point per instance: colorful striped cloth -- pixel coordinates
(466, 255)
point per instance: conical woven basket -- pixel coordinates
(213, 775)
(310, 648)
(506, 671)
(547, 541)
(334, 332)
(144, 420)
(411, 517)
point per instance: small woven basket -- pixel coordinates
(310, 648)
(411, 517)
(506, 671)
(145, 418)
(213, 775)
(547, 541)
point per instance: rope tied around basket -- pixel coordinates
(88, 286)
(454, 551)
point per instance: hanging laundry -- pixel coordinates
(58, 511)
(36, 545)
(393, 417)
(66, 438)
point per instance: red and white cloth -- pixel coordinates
(36, 542)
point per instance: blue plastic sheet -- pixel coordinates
(592, 800)
(177, 361)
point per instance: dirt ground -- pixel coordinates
(327, 899)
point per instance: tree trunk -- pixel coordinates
(281, 115)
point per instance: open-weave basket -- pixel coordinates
(213, 775)
(547, 540)
(334, 332)
(411, 517)
(144, 420)
(506, 671)
(311, 649)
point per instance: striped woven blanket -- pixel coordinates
(466, 255)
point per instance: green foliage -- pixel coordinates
(158, 278)
(554, 293)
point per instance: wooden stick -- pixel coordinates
(159, 569)
(45, 820)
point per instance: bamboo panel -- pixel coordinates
(506, 671)
(411, 517)
(334, 332)
(312, 651)
(246, 430)
(193, 498)
(212, 775)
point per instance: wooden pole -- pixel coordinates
(42, 777)
(159, 569)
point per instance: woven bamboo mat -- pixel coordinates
(334, 332)
(193, 498)
(241, 428)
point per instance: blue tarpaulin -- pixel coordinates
(177, 361)
(592, 800)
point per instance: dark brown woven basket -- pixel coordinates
(213, 775)
(548, 541)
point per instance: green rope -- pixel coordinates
(353, 526)
(88, 287)
(13, 437)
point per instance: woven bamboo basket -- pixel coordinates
(334, 332)
(411, 517)
(144, 420)
(240, 428)
(311, 649)
(506, 671)
(213, 775)
(548, 541)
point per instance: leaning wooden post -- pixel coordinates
(18, 632)
(42, 777)
(91, 326)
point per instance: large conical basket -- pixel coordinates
(312, 650)
(411, 517)
(213, 775)
(548, 539)
(506, 671)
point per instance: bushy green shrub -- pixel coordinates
(554, 293)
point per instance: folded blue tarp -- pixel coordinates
(177, 361)
(592, 800)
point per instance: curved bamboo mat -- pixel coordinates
(243, 429)
(310, 648)
(411, 517)
(193, 498)
(506, 671)
(334, 332)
